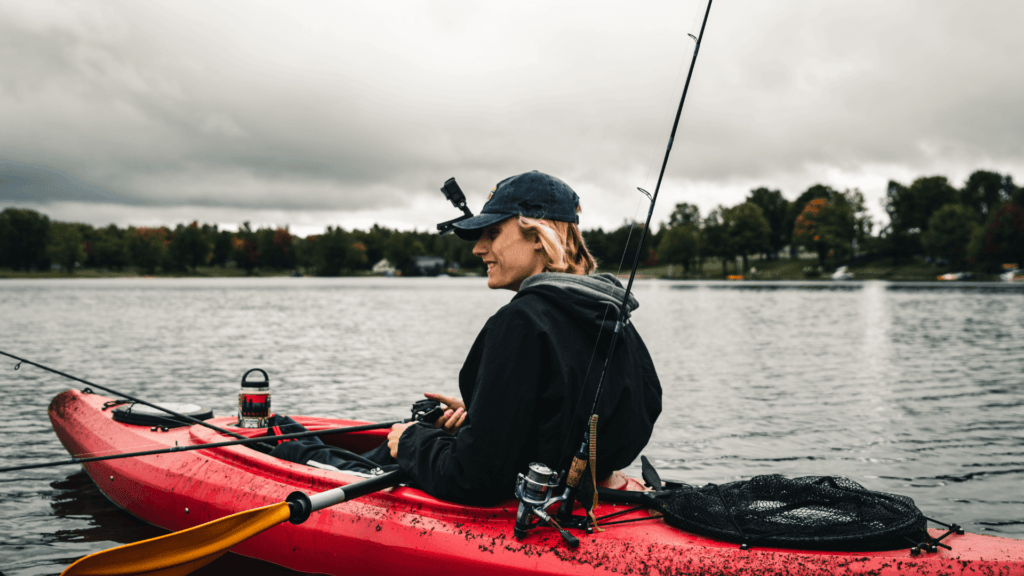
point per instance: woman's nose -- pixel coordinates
(479, 249)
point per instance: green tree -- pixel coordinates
(376, 238)
(596, 244)
(110, 248)
(221, 247)
(985, 191)
(856, 214)
(67, 247)
(775, 209)
(147, 247)
(1001, 239)
(276, 248)
(714, 238)
(400, 249)
(189, 247)
(748, 230)
(949, 232)
(910, 207)
(622, 243)
(684, 215)
(333, 253)
(24, 236)
(245, 248)
(680, 244)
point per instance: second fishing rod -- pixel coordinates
(175, 415)
(536, 488)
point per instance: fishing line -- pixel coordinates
(574, 476)
(695, 22)
(625, 249)
(652, 199)
(583, 386)
(664, 117)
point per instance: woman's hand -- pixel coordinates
(394, 436)
(454, 414)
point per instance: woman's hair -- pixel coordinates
(563, 245)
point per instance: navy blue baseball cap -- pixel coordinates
(531, 194)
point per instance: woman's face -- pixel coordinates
(510, 257)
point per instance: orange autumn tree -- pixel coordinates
(824, 227)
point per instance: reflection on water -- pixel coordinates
(914, 389)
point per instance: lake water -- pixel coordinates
(909, 388)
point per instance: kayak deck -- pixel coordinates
(403, 530)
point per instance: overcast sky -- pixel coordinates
(346, 113)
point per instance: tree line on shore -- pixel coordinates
(980, 225)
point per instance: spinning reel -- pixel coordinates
(535, 491)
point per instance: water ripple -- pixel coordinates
(914, 389)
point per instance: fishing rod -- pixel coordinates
(257, 439)
(535, 488)
(133, 399)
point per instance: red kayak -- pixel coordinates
(404, 531)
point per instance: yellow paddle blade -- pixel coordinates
(181, 552)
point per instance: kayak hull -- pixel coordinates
(403, 530)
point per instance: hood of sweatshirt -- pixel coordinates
(590, 298)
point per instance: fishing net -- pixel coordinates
(812, 513)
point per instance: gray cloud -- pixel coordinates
(340, 111)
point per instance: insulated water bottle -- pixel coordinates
(254, 401)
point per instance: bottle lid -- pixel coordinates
(264, 384)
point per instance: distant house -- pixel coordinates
(384, 268)
(428, 265)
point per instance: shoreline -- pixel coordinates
(774, 270)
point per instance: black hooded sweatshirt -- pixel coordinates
(522, 382)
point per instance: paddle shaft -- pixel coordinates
(302, 505)
(255, 440)
(132, 398)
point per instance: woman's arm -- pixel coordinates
(500, 380)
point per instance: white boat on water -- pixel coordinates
(1013, 275)
(842, 274)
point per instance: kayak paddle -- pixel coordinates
(180, 553)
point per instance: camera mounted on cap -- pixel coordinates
(454, 194)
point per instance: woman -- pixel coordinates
(534, 367)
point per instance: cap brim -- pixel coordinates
(473, 228)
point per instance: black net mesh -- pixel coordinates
(812, 513)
